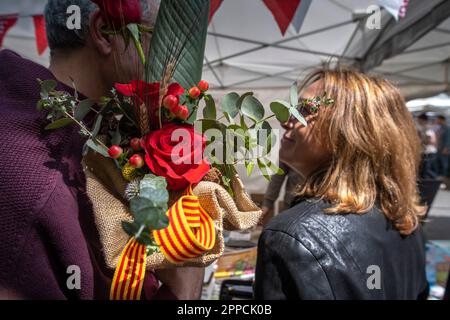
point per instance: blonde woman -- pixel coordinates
(353, 232)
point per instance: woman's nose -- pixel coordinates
(286, 125)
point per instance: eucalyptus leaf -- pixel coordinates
(97, 148)
(241, 99)
(158, 197)
(97, 126)
(209, 112)
(294, 94)
(263, 168)
(298, 116)
(59, 123)
(47, 86)
(83, 108)
(252, 108)
(116, 137)
(281, 110)
(250, 166)
(228, 104)
(152, 181)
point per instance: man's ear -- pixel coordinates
(101, 41)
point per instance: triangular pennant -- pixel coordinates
(283, 11)
(300, 15)
(214, 6)
(6, 23)
(39, 31)
(397, 8)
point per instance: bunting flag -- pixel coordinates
(190, 234)
(397, 8)
(283, 11)
(39, 31)
(6, 23)
(214, 6)
(300, 15)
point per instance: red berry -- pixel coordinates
(136, 161)
(115, 151)
(194, 92)
(175, 110)
(170, 102)
(203, 85)
(135, 144)
(183, 113)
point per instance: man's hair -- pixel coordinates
(59, 36)
(374, 145)
(442, 117)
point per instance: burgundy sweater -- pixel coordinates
(46, 218)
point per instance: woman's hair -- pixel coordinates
(374, 145)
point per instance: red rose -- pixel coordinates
(175, 152)
(147, 93)
(119, 13)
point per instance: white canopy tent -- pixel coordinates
(245, 48)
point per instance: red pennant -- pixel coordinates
(283, 11)
(5, 24)
(215, 5)
(39, 31)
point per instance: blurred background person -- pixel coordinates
(429, 144)
(443, 148)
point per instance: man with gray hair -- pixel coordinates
(49, 245)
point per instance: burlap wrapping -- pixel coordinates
(105, 187)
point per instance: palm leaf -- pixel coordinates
(180, 37)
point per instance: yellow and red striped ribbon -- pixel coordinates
(190, 234)
(130, 271)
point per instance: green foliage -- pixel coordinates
(148, 209)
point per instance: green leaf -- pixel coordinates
(180, 31)
(212, 124)
(209, 112)
(152, 181)
(252, 108)
(130, 228)
(298, 116)
(241, 99)
(116, 137)
(97, 126)
(281, 110)
(134, 30)
(250, 166)
(263, 169)
(97, 148)
(294, 94)
(229, 104)
(158, 197)
(83, 108)
(59, 123)
(47, 86)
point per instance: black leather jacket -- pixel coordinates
(306, 254)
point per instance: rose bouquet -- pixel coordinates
(162, 190)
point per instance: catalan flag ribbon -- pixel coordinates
(190, 234)
(130, 271)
